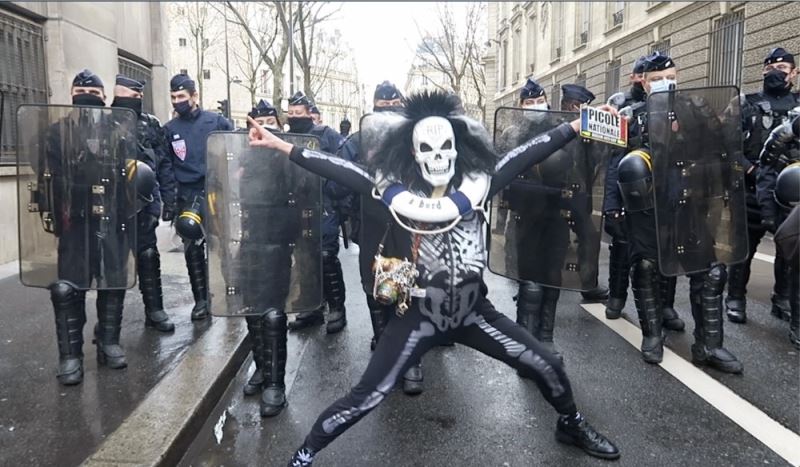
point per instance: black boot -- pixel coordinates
(196, 265)
(576, 431)
(781, 308)
(735, 302)
(109, 326)
(618, 270)
(646, 295)
(150, 286)
(69, 308)
(794, 302)
(255, 332)
(379, 316)
(547, 320)
(529, 305)
(333, 287)
(412, 380)
(273, 397)
(669, 317)
(706, 298)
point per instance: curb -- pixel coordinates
(163, 426)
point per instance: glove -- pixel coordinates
(614, 224)
(769, 224)
(168, 213)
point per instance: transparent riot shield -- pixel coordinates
(545, 227)
(76, 196)
(263, 228)
(696, 146)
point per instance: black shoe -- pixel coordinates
(159, 320)
(70, 371)
(652, 349)
(720, 359)
(412, 381)
(670, 319)
(337, 320)
(200, 311)
(253, 385)
(303, 457)
(307, 319)
(273, 400)
(736, 308)
(579, 433)
(111, 356)
(780, 307)
(597, 294)
(614, 307)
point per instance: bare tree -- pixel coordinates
(315, 51)
(197, 19)
(270, 39)
(454, 51)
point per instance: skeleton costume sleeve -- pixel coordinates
(529, 154)
(333, 168)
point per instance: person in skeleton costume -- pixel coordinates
(441, 294)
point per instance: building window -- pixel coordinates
(503, 67)
(616, 14)
(139, 72)
(184, 71)
(182, 42)
(557, 31)
(582, 23)
(580, 80)
(727, 41)
(530, 42)
(661, 47)
(612, 77)
(516, 66)
(206, 74)
(23, 78)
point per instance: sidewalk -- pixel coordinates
(44, 423)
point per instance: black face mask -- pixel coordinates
(392, 108)
(133, 103)
(775, 82)
(183, 108)
(300, 124)
(88, 99)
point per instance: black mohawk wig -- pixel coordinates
(395, 158)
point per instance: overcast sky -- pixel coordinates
(383, 37)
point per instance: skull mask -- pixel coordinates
(435, 150)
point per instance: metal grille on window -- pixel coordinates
(661, 47)
(23, 78)
(612, 77)
(139, 72)
(727, 42)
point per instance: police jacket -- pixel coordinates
(187, 143)
(612, 199)
(154, 151)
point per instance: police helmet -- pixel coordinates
(144, 180)
(635, 181)
(189, 224)
(787, 187)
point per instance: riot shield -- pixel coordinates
(696, 146)
(76, 196)
(545, 227)
(263, 228)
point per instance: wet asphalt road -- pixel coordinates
(44, 423)
(475, 412)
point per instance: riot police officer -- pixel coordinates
(778, 189)
(101, 224)
(369, 226)
(187, 134)
(301, 122)
(763, 111)
(153, 152)
(316, 116)
(638, 192)
(344, 127)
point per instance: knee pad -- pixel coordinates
(275, 319)
(643, 271)
(63, 292)
(148, 256)
(714, 281)
(530, 292)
